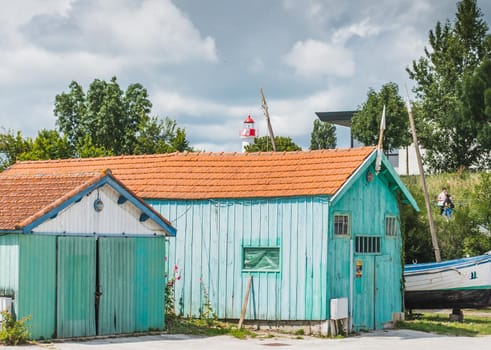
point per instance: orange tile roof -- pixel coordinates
(217, 175)
(25, 198)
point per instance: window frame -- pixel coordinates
(368, 242)
(394, 226)
(243, 267)
(347, 224)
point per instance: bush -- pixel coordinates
(464, 233)
(13, 332)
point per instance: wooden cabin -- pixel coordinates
(312, 229)
(81, 255)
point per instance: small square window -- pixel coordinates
(391, 226)
(341, 225)
(261, 259)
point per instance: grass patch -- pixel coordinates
(473, 325)
(209, 328)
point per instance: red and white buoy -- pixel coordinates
(248, 133)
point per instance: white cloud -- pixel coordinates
(16, 13)
(171, 48)
(316, 12)
(362, 29)
(256, 65)
(312, 58)
(34, 66)
(142, 32)
(200, 110)
(154, 31)
(206, 120)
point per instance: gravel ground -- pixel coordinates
(380, 340)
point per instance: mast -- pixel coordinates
(266, 114)
(434, 239)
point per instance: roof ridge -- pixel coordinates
(7, 175)
(196, 174)
(187, 153)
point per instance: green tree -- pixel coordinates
(476, 101)
(263, 144)
(450, 129)
(116, 121)
(157, 136)
(366, 122)
(12, 145)
(87, 149)
(481, 199)
(48, 144)
(323, 135)
(415, 228)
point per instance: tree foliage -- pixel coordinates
(366, 122)
(104, 121)
(453, 91)
(263, 144)
(323, 135)
(48, 144)
(464, 234)
(12, 144)
(481, 199)
(115, 121)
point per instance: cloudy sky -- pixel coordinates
(203, 62)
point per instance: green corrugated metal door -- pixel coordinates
(36, 295)
(109, 285)
(387, 292)
(364, 293)
(75, 287)
(149, 283)
(116, 285)
(375, 293)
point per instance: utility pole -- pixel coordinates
(434, 239)
(266, 114)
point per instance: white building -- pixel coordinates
(403, 160)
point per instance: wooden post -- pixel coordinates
(434, 239)
(266, 114)
(244, 304)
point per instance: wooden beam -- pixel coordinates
(122, 199)
(244, 304)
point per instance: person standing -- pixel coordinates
(440, 199)
(448, 206)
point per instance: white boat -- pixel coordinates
(456, 284)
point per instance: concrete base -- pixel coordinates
(323, 328)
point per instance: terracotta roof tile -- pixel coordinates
(217, 175)
(24, 198)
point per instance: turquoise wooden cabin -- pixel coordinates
(80, 255)
(311, 228)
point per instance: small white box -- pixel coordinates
(339, 308)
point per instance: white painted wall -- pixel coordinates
(408, 162)
(81, 217)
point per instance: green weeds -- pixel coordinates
(473, 324)
(13, 332)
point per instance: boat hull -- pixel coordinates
(460, 283)
(448, 299)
